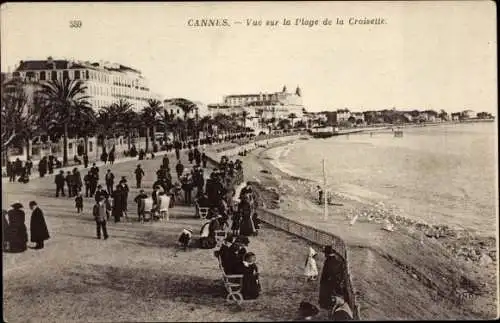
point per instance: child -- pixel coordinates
(79, 202)
(311, 270)
(185, 238)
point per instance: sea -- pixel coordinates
(444, 174)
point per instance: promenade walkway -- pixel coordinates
(138, 274)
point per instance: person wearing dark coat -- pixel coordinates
(118, 202)
(50, 164)
(87, 182)
(190, 156)
(332, 278)
(100, 192)
(59, 180)
(38, 228)
(250, 286)
(42, 167)
(225, 252)
(247, 226)
(77, 181)
(179, 168)
(165, 162)
(28, 166)
(69, 183)
(85, 161)
(17, 236)
(142, 195)
(94, 179)
(204, 160)
(18, 167)
(139, 174)
(111, 157)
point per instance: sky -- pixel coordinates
(426, 55)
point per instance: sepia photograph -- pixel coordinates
(249, 161)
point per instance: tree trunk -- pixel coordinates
(129, 140)
(28, 148)
(86, 145)
(153, 140)
(147, 139)
(65, 144)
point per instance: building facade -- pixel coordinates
(106, 82)
(277, 105)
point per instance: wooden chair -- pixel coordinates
(232, 284)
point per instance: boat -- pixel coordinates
(324, 132)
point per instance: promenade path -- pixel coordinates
(138, 274)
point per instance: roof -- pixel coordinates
(44, 65)
(241, 95)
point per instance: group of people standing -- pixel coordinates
(14, 228)
(17, 171)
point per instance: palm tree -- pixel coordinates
(244, 115)
(185, 105)
(63, 98)
(292, 116)
(85, 122)
(130, 121)
(150, 114)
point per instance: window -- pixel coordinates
(77, 75)
(30, 74)
(42, 76)
(65, 75)
(53, 76)
(70, 145)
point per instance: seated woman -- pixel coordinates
(207, 233)
(250, 287)
(236, 255)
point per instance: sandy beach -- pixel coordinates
(414, 272)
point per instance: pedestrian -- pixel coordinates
(100, 216)
(59, 180)
(17, 236)
(190, 156)
(111, 156)
(250, 285)
(179, 168)
(18, 167)
(79, 202)
(77, 181)
(138, 200)
(94, 179)
(50, 164)
(204, 159)
(320, 194)
(69, 183)
(177, 153)
(10, 171)
(85, 160)
(340, 310)
(100, 192)
(165, 162)
(187, 187)
(332, 278)
(38, 227)
(110, 181)
(125, 190)
(311, 269)
(139, 174)
(87, 180)
(28, 166)
(42, 167)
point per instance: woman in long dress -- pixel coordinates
(332, 278)
(250, 287)
(17, 232)
(247, 226)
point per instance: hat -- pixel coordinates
(243, 240)
(17, 205)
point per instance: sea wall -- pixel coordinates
(316, 236)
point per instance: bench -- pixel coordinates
(232, 284)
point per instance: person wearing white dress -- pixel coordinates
(163, 204)
(311, 269)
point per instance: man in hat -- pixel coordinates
(340, 310)
(100, 192)
(94, 179)
(179, 168)
(139, 174)
(100, 216)
(85, 160)
(38, 227)
(59, 180)
(69, 183)
(125, 190)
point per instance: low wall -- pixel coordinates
(318, 237)
(309, 233)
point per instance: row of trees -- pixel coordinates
(61, 109)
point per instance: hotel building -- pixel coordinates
(277, 105)
(106, 82)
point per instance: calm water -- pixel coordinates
(440, 175)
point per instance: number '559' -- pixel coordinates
(75, 23)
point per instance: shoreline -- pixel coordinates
(292, 196)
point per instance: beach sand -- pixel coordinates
(413, 272)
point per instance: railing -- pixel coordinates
(318, 237)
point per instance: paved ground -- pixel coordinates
(138, 274)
